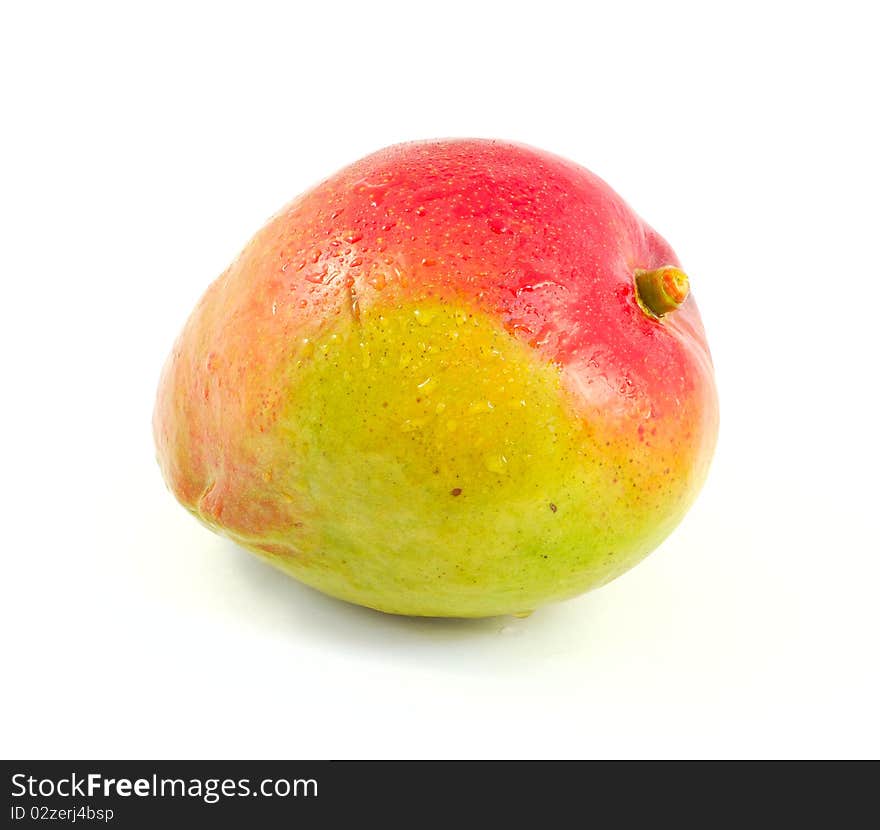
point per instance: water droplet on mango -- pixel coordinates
(496, 463)
(424, 316)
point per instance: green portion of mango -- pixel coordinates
(445, 471)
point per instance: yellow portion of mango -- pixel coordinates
(446, 473)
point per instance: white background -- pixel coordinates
(141, 148)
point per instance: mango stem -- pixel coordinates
(661, 290)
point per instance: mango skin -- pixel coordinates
(426, 386)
